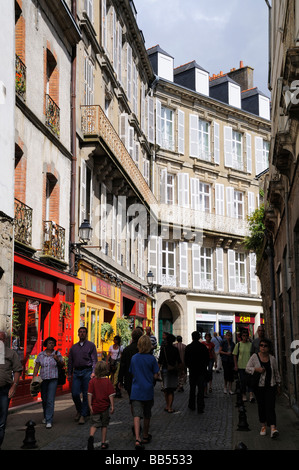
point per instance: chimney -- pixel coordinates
(243, 76)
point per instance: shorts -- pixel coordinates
(101, 419)
(142, 409)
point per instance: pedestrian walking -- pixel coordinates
(196, 360)
(241, 355)
(264, 364)
(125, 377)
(113, 361)
(100, 401)
(217, 340)
(81, 364)
(226, 352)
(149, 333)
(10, 372)
(255, 345)
(46, 365)
(144, 369)
(183, 371)
(170, 363)
(212, 360)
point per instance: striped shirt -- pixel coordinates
(48, 365)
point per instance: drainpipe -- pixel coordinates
(270, 44)
(73, 145)
(270, 254)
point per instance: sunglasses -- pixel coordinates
(263, 345)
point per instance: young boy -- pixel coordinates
(100, 398)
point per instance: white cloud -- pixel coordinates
(217, 34)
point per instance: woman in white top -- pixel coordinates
(113, 361)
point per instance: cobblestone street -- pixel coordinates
(182, 430)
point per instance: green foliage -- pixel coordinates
(123, 330)
(255, 240)
(106, 331)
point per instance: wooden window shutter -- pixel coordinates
(228, 156)
(219, 269)
(219, 199)
(216, 144)
(183, 264)
(248, 153)
(231, 270)
(193, 136)
(181, 132)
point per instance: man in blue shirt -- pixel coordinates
(145, 369)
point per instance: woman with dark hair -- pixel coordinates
(264, 364)
(113, 361)
(47, 361)
(169, 360)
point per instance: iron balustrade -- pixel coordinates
(20, 78)
(52, 116)
(23, 223)
(54, 240)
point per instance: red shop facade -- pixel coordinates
(134, 305)
(43, 306)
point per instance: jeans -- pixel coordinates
(81, 380)
(48, 392)
(4, 404)
(196, 381)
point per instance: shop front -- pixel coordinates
(247, 322)
(134, 307)
(98, 299)
(43, 306)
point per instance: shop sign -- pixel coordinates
(103, 288)
(245, 319)
(33, 283)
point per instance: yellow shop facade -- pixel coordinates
(97, 301)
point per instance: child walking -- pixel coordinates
(100, 398)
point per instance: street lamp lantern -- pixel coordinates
(150, 278)
(85, 231)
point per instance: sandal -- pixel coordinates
(104, 445)
(147, 439)
(139, 446)
(171, 411)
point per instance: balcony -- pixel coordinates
(95, 125)
(186, 218)
(23, 223)
(54, 241)
(52, 116)
(20, 78)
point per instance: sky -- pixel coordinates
(217, 34)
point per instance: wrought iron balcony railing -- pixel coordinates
(94, 123)
(23, 223)
(52, 115)
(54, 240)
(20, 78)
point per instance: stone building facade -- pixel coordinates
(212, 139)
(280, 262)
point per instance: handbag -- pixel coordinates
(61, 373)
(171, 368)
(252, 380)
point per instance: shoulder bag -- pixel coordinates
(253, 379)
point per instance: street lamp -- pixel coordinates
(150, 281)
(85, 231)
